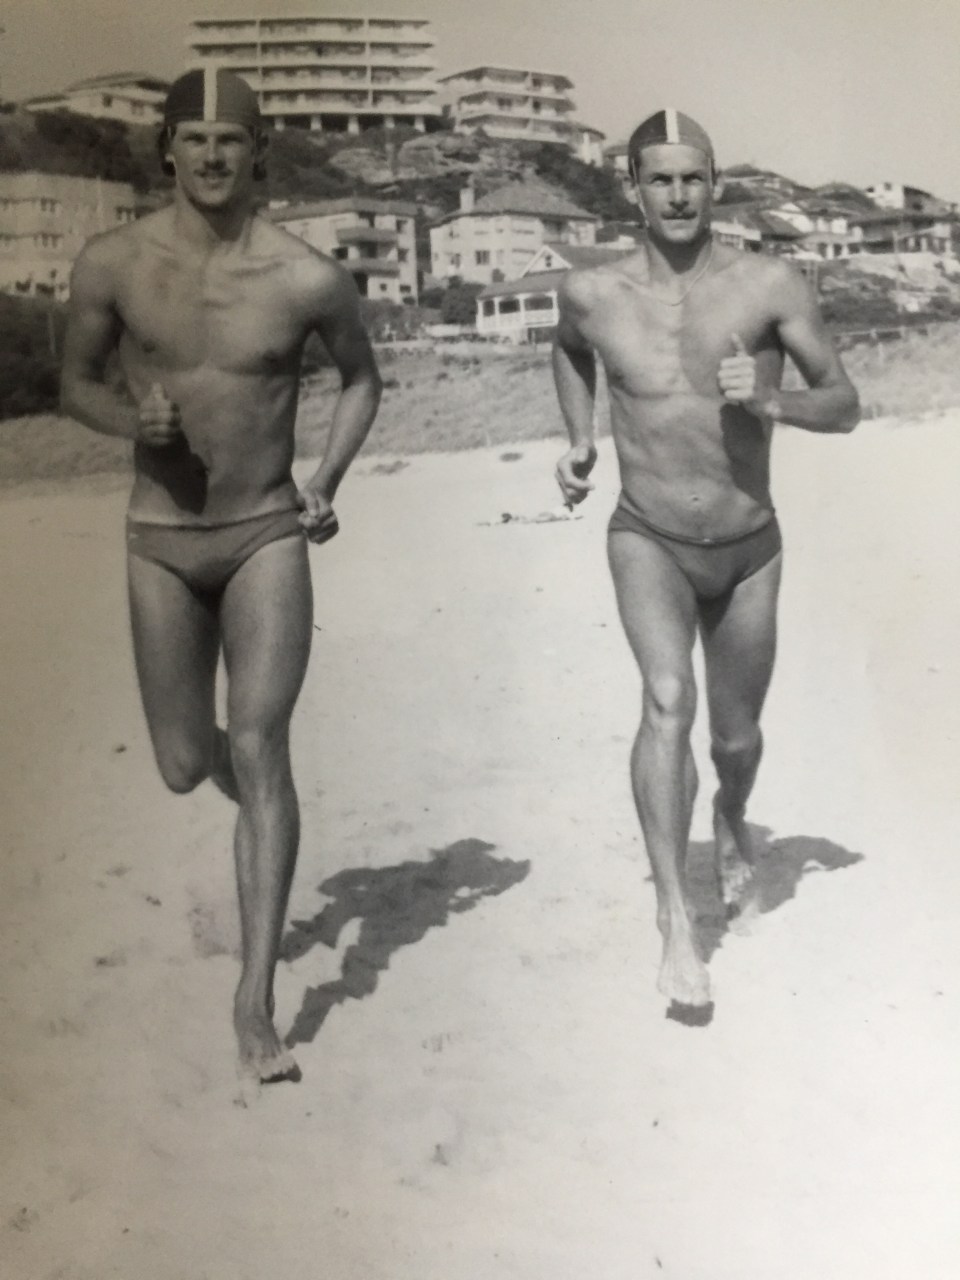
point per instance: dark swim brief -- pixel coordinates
(206, 557)
(712, 566)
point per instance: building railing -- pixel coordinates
(367, 235)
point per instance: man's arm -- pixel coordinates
(93, 331)
(575, 377)
(830, 402)
(339, 324)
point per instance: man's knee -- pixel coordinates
(182, 768)
(670, 702)
(745, 741)
(255, 748)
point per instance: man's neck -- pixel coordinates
(667, 261)
(209, 229)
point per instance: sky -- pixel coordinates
(819, 90)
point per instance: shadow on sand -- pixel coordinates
(396, 907)
(780, 866)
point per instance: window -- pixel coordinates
(539, 302)
(403, 255)
(340, 253)
(454, 259)
(401, 225)
(107, 100)
(384, 288)
(483, 257)
(509, 306)
(489, 307)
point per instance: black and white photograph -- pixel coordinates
(479, 678)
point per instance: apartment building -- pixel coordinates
(374, 239)
(45, 220)
(510, 102)
(339, 74)
(495, 238)
(130, 96)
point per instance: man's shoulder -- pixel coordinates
(310, 268)
(582, 288)
(764, 272)
(118, 247)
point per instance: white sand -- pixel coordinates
(491, 1088)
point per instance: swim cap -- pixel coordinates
(667, 126)
(212, 95)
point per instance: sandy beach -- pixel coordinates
(491, 1089)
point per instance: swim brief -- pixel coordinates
(712, 566)
(206, 557)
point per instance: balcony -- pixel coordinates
(372, 266)
(314, 29)
(366, 235)
(491, 89)
(320, 101)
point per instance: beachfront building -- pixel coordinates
(374, 239)
(45, 220)
(524, 309)
(521, 105)
(130, 96)
(495, 237)
(340, 74)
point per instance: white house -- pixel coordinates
(134, 97)
(497, 236)
(515, 310)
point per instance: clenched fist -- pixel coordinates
(159, 419)
(737, 375)
(572, 472)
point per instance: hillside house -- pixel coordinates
(516, 310)
(522, 105)
(374, 239)
(130, 96)
(495, 237)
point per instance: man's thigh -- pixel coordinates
(267, 622)
(657, 606)
(176, 648)
(739, 637)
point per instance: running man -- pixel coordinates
(208, 306)
(692, 335)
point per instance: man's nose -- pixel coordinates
(677, 194)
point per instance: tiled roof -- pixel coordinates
(523, 71)
(345, 204)
(121, 78)
(586, 255)
(539, 282)
(534, 198)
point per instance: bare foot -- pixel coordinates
(262, 1057)
(734, 855)
(221, 771)
(683, 975)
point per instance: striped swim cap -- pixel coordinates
(212, 95)
(666, 126)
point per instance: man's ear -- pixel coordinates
(717, 184)
(260, 155)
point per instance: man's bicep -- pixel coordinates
(93, 325)
(805, 337)
(340, 325)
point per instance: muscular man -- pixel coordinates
(692, 335)
(208, 306)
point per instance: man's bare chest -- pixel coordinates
(652, 348)
(180, 318)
